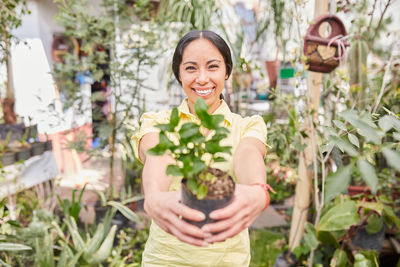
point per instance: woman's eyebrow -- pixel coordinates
(208, 62)
(189, 62)
(213, 60)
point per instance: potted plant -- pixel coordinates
(23, 147)
(7, 155)
(10, 16)
(203, 187)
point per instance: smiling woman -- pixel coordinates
(201, 63)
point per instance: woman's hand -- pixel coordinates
(247, 204)
(167, 211)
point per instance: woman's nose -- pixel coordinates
(202, 77)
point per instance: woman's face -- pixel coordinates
(202, 73)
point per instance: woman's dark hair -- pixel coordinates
(214, 38)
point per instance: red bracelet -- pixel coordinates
(266, 188)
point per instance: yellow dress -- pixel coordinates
(163, 249)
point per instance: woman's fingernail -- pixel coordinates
(207, 235)
(205, 244)
(208, 241)
(205, 229)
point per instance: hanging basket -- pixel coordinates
(324, 53)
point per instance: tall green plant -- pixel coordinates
(11, 12)
(110, 35)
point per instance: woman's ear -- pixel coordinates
(226, 77)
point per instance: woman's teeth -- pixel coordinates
(203, 92)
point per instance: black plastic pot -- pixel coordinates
(24, 153)
(205, 205)
(286, 259)
(37, 148)
(364, 240)
(17, 131)
(32, 132)
(8, 158)
(48, 145)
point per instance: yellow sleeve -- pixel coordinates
(147, 125)
(254, 126)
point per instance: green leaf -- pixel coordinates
(164, 127)
(392, 158)
(198, 167)
(396, 136)
(375, 206)
(105, 249)
(368, 174)
(353, 139)
(385, 123)
(372, 256)
(361, 261)
(174, 119)
(327, 147)
(327, 238)
(339, 259)
(343, 145)
(337, 182)
(125, 211)
(388, 211)
(340, 125)
(202, 191)
(174, 171)
(189, 130)
(395, 122)
(375, 224)
(217, 119)
(200, 107)
(364, 125)
(339, 217)
(310, 237)
(6, 246)
(192, 185)
(219, 159)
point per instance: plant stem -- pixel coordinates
(379, 24)
(385, 77)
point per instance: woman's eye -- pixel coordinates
(190, 68)
(213, 66)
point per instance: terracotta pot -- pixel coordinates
(8, 110)
(205, 205)
(272, 70)
(357, 190)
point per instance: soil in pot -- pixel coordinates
(220, 194)
(8, 158)
(37, 148)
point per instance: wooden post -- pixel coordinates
(303, 187)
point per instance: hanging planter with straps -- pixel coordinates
(325, 53)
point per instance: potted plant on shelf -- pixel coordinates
(23, 147)
(203, 187)
(7, 156)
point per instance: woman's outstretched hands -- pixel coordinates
(247, 204)
(167, 211)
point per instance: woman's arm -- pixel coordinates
(249, 201)
(162, 206)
